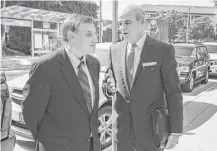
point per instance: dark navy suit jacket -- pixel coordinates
(156, 82)
(55, 110)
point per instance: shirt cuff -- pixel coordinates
(177, 134)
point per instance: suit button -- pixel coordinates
(88, 140)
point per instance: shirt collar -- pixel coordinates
(74, 60)
(139, 43)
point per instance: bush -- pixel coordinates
(20, 39)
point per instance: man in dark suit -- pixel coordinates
(62, 93)
(145, 77)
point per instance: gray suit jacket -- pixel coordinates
(55, 110)
(153, 86)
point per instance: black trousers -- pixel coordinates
(148, 149)
(91, 144)
(40, 146)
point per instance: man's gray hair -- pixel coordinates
(72, 23)
(136, 9)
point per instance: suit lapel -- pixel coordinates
(144, 55)
(122, 57)
(93, 71)
(69, 74)
(94, 74)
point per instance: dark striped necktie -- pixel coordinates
(130, 64)
(85, 85)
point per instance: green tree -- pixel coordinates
(177, 22)
(214, 20)
(202, 28)
(181, 35)
(214, 2)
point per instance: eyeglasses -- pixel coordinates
(125, 22)
(89, 34)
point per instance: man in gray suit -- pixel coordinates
(62, 93)
(145, 77)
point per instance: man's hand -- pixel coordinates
(111, 84)
(108, 85)
(110, 80)
(172, 141)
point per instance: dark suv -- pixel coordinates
(7, 138)
(193, 65)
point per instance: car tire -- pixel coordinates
(105, 126)
(205, 81)
(188, 86)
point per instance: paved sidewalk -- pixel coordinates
(200, 122)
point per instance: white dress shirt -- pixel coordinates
(138, 51)
(75, 62)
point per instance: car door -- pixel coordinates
(205, 60)
(202, 62)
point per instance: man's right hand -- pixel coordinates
(111, 84)
(108, 84)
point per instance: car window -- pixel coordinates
(197, 51)
(206, 51)
(194, 53)
(202, 52)
(183, 50)
(211, 48)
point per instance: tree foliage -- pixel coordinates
(214, 20)
(202, 28)
(88, 8)
(177, 23)
(214, 2)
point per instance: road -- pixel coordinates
(197, 103)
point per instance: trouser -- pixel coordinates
(91, 144)
(40, 146)
(148, 149)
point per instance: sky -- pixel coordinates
(107, 4)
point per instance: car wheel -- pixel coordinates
(205, 81)
(105, 126)
(188, 87)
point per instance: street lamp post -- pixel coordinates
(114, 40)
(100, 21)
(114, 21)
(187, 32)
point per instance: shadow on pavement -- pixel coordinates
(212, 77)
(196, 114)
(212, 89)
(199, 88)
(27, 145)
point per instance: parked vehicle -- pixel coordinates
(194, 65)
(105, 109)
(212, 49)
(8, 139)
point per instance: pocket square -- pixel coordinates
(149, 64)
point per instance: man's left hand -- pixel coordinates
(172, 141)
